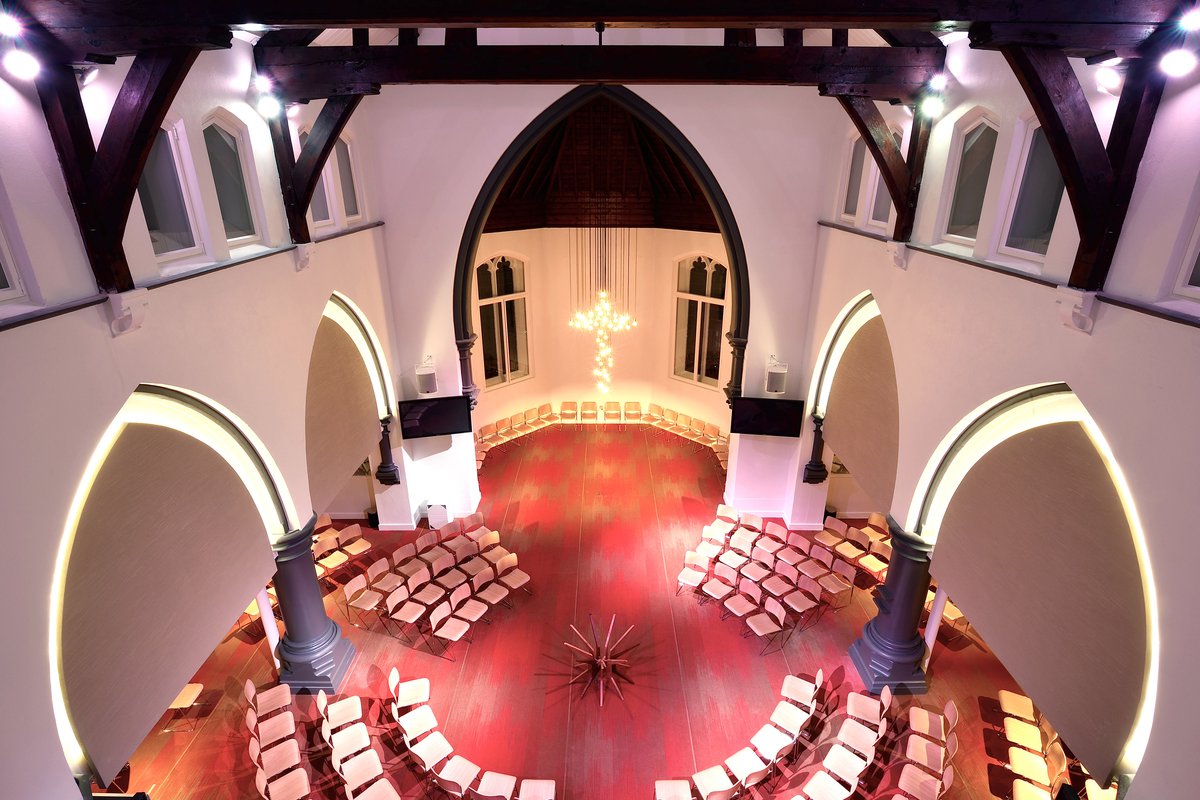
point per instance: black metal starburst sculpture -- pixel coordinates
(602, 664)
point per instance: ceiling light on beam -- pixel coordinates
(21, 65)
(10, 26)
(1190, 21)
(269, 106)
(1177, 63)
(932, 106)
(1109, 80)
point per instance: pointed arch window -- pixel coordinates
(164, 198)
(319, 206)
(503, 331)
(227, 158)
(1035, 206)
(699, 320)
(971, 181)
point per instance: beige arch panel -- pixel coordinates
(169, 550)
(1036, 549)
(341, 422)
(862, 420)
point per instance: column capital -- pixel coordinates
(295, 542)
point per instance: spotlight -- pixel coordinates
(1108, 80)
(1177, 63)
(21, 65)
(939, 82)
(1191, 20)
(293, 110)
(269, 106)
(10, 26)
(952, 37)
(251, 27)
(86, 75)
(262, 84)
(933, 106)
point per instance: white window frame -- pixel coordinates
(863, 181)
(238, 130)
(184, 171)
(477, 360)
(1184, 289)
(1031, 126)
(8, 265)
(723, 302)
(877, 186)
(327, 178)
(965, 125)
(355, 173)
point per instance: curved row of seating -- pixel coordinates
(694, 429)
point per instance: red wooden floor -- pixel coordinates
(600, 519)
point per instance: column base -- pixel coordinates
(317, 664)
(881, 663)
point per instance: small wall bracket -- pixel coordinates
(303, 255)
(1076, 308)
(127, 311)
(898, 253)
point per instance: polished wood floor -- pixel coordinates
(600, 519)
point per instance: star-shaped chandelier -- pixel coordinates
(603, 320)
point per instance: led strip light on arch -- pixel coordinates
(998, 420)
(205, 421)
(853, 316)
(341, 310)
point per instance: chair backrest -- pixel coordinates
(323, 546)
(487, 430)
(655, 410)
(322, 702)
(697, 426)
(439, 614)
(531, 414)
(669, 415)
(589, 406)
(545, 410)
(460, 593)
(403, 553)
(360, 769)
(426, 541)
(951, 714)
(751, 590)
(377, 569)
(633, 409)
(612, 407)
(822, 555)
(515, 420)
(503, 425)
(858, 537)
(569, 406)
(506, 563)
(846, 570)
(260, 782)
(755, 778)
(951, 745)
(683, 420)
(443, 563)
(419, 578)
(727, 513)
(787, 572)
(450, 530)
(248, 691)
(355, 585)
(776, 531)
(885, 700)
(752, 521)
(799, 541)
(488, 539)
(349, 534)
(883, 549)
(776, 610)
(350, 739)
(835, 525)
(482, 578)
(393, 681)
(726, 573)
(742, 540)
(810, 587)
(1056, 759)
(878, 521)
(693, 559)
(712, 430)
(948, 781)
(763, 556)
(396, 598)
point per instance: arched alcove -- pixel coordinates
(856, 396)
(349, 392)
(1038, 542)
(168, 538)
(739, 316)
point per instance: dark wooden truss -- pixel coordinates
(1036, 37)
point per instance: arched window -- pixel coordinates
(503, 332)
(228, 156)
(1034, 207)
(346, 181)
(854, 176)
(969, 173)
(319, 206)
(165, 199)
(699, 320)
(10, 278)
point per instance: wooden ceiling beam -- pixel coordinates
(298, 177)
(104, 45)
(899, 93)
(311, 72)
(102, 180)
(1099, 178)
(1078, 41)
(889, 14)
(740, 37)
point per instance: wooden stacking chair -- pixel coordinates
(589, 412)
(875, 563)
(360, 600)
(504, 431)
(833, 534)
(694, 572)
(533, 420)
(381, 579)
(546, 414)
(612, 411)
(653, 414)
(771, 624)
(633, 411)
(518, 425)
(568, 411)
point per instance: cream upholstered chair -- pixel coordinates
(277, 759)
(504, 431)
(633, 411)
(360, 600)
(612, 411)
(589, 412)
(845, 764)
(568, 411)
(291, 785)
(449, 629)
(508, 573)
(546, 414)
(694, 572)
(833, 534)
(931, 755)
(398, 608)
(683, 424)
(533, 420)
(770, 624)
(422, 589)
(931, 725)
(714, 784)
(868, 709)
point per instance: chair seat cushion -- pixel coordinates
(716, 589)
(777, 586)
(739, 605)
(763, 624)
(692, 577)
(791, 556)
(799, 602)
(514, 579)
(827, 539)
(453, 629)
(812, 568)
(367, 600)
(755, 571)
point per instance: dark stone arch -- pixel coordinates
(739, 318)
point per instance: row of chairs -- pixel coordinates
(337, 550)
(273, 748)
(868, 548)
(440, 584)
(352, 751)
(694, 429)
(448, 771)
(791, 724)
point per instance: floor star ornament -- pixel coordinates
(601, 663)
(603, 320)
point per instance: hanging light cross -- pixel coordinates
(603, 320)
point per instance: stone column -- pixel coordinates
(815, 470)
(464, 368)
(891, 651)
(388, 473)
(313, 652)
(737, 366)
